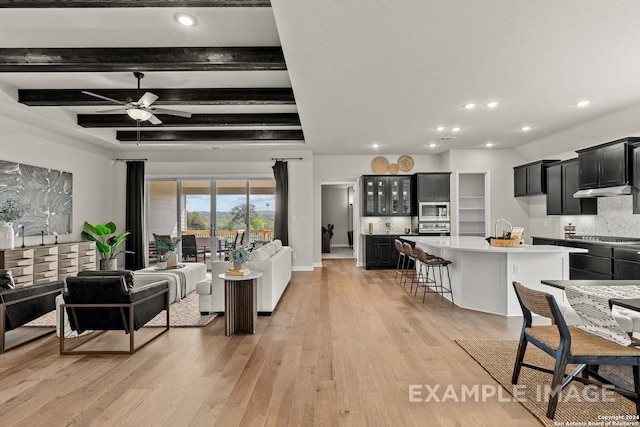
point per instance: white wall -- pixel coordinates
(92, 169)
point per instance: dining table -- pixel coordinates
(593, 300)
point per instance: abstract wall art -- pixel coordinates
(46, 195)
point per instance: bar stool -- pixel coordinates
(441, 264)
(411, 256)
(401, 260)
(423, 280)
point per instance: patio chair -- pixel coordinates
(190, 248)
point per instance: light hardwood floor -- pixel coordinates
(342, 348)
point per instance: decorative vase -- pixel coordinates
(237, 265)
(7, 236)
(161, 265)
(109, 264)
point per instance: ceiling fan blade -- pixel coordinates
(172, 112)
(113, 111)
(154, 120)
(147, 99)
(103, 97)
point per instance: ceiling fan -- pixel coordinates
(141, 109)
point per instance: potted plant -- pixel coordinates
(166, 248)
(238, 256)
(327, 234)
(107, 243)
(10, 210)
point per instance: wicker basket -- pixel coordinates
(506, 243)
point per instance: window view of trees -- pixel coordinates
(235, 218)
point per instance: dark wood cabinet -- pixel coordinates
(562, 183)
(605, 165)
(432, 187)
(626, 263)
(554, 190)
(381, 252)
(597, 264)
(386, 195)
(531, 179)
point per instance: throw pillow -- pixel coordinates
(259, 255)
(271, 248)
(127, 274)
(6, 280)
(278, 244)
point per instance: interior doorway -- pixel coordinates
(337, 221)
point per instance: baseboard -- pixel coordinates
(302, 268)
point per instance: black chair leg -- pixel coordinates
(522, 347)
(636, 384)
(556, 383)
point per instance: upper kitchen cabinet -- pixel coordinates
(432, 187)
(386, 195)
(562, 182)
(530, 179)
(605, 165)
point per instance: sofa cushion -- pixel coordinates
(261, 254)
(127, 274)
(271, 248)
(6, 280)
(278, 244)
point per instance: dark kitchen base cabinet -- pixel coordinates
(597, 264)
(380, 252)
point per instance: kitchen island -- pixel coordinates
(481, 274)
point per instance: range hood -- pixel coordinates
(621, 190)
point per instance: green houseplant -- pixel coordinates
(238, 256)
(107, 243)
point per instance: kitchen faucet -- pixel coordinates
(495, 227)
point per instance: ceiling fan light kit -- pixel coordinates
(140, 110)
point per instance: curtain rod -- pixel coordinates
(286, 158)
(130, 160)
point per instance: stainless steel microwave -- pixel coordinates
(433, 211)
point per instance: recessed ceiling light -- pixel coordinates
(470, 105)
(186, 20)
(375, 145)
(492, 104)
(582, 103)
(432, 145)
(489, 144)
(455, 129)
(440, 128)
(525, 128)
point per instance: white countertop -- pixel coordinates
(479, 244)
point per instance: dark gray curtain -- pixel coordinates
(281, 226)
(134, 216)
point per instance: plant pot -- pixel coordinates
(237, 266)
(326, 243)
(162, 265)
(7, 236)
(109, 264)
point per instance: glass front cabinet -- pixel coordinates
(386, 195)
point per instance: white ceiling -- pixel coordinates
(366, 71)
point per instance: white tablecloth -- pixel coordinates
(592, 305)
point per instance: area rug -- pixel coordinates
(579, 404)
(183, 314)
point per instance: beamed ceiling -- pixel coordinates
(248, 106)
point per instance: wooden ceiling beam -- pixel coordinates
(196, 120)
(119, 59)
(210, 135)
(40, 4)
(187, 96)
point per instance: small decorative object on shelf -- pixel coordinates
(22, 246)
(10, 210)
(42, 238)
(238, 256)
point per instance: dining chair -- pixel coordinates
(569, 345)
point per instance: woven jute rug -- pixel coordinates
(183, 314)
(579, 405)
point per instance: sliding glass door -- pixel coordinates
(212, 210)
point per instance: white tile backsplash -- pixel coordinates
(615, 218)
(398, 223)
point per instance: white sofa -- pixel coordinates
(276, 274)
